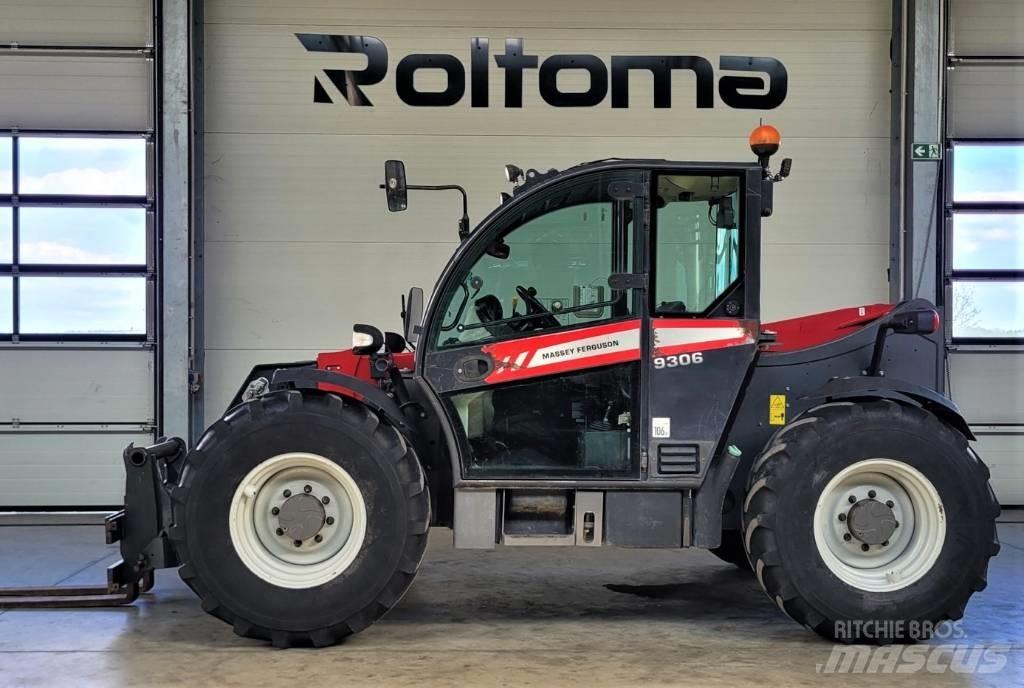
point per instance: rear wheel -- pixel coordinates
(300, 518)
(870, 521)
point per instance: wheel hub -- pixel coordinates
(301, 517)
(871, 522)
(298, 520)
(879, 525)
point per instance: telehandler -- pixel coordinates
(591, 370)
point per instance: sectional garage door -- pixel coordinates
(299, 245)
(984, 259)
(76, 247)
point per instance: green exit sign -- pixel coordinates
(926, 151)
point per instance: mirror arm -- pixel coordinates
(464, 220)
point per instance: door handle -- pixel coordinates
(473, 368)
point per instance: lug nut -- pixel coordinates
(852, 499)
(842, 517)
(275, 511)
(885, 544)
(319, 538)
(871, 494)
(298, 543)
(279, 531)
(326, 500)
(307, 489)
(889, 503)
(847, 537)
(864, 547)
(287, 493)
(330, 520)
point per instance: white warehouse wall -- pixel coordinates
(299, 245)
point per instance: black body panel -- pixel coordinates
(812, 376)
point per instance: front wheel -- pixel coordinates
(870, 521)
(300, 518)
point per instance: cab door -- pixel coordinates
(703, 304)
(534, 356)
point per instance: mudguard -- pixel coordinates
(265, 371)
(874, 387)
(347, 386)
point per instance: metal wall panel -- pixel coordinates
(77, 386)
(260, 79)
(95, 23)
(986, 101)
(987, 27)
(299, 244)
(724, 15)
(50, 92)
(226, 368)
(64, 468)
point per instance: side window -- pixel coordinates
(548, 270)
(697, 254)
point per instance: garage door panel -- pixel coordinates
(83, 93)
(289, 295)
(986, 101)
(1002, 450)
(85, 386)
(104, 23)
(644, 14)
(63, 468)
(987, 27)
(260, 79)
(986, 386)
(325, 188)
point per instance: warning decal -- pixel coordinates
(777, 409)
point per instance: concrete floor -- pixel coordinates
(532, 617)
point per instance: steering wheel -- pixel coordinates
(533, 306)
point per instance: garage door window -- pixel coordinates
(76, 228)
(986, 241)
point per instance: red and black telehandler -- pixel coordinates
(591, 370)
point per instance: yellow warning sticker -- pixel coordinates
(777, 409)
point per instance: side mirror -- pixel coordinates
(394, 185)
(925, 321)
(412, 315)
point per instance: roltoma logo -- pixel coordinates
(762, 88)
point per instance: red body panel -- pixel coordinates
(619, 342)
(821, 328)
(347, 362)
(561, 352)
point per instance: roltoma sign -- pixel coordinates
(761, 86)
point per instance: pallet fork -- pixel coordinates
(140, 527)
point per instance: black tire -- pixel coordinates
(782, 493)
(388, 475)
(732, 551)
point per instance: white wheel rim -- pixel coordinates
(325, 508)
(915, 541)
